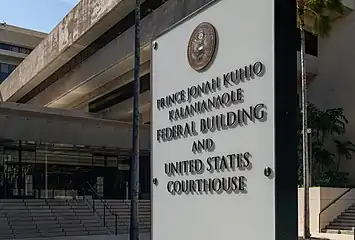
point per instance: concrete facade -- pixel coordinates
(334, 84)
(88, 20)
(15, 45)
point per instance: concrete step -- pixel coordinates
(339, 227)
(79, 233)
(346, 223)
(101, 232)
(87, 216)
(22, 224)
(341, 220)
(83, 212)
(42, 214)
(59, 206)
(348, 214)
(79, 205)
(48, 222)
(52, 230)
(4, 235)
(71, 225)
(86, 213)
(27, 235)
(44, 218)
(54, 234)
(336, 231)
(25, 231)
(74, 229)
(69, 217)
(64, 210)
(19, 216)
(91, 220)
(6, 230)
(69, 221)
(43, 210)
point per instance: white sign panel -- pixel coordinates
(213, 125)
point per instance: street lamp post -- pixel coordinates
(134, 226)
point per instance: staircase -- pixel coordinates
(123, 209)
(76, 218)
(5, 228)
(41, 218)
(19, 219)
(89, 220)
(343, 223)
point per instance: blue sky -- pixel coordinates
(41, 15)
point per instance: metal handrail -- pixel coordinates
(335, 200)
(105, 206)
(331, 203)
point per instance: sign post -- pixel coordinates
(224, 130)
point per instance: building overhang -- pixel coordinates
(20, 36)
(31, 123)
(88, 20)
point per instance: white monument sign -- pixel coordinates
(215, 143)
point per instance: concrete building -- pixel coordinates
(86, 63)
(15, 45)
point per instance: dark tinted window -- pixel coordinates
(5, 70)
(119, 95)
(311, 43)
(14, 48)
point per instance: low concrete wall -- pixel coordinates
(314, 203)
(320, 197)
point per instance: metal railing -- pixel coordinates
(96, 195)
(331, 204)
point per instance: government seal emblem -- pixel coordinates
(202, 46)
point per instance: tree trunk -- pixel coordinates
(338, 167)
(306, 230)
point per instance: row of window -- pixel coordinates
(13, 48)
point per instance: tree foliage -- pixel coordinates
(321, 14)
(327, 151)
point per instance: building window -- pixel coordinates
(119, 95)
(5, 70)
(311, 43)
(14, 48)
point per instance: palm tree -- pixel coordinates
(344, 149)
(328, 122)
(322, 156)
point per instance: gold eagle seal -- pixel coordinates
(202, 46)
